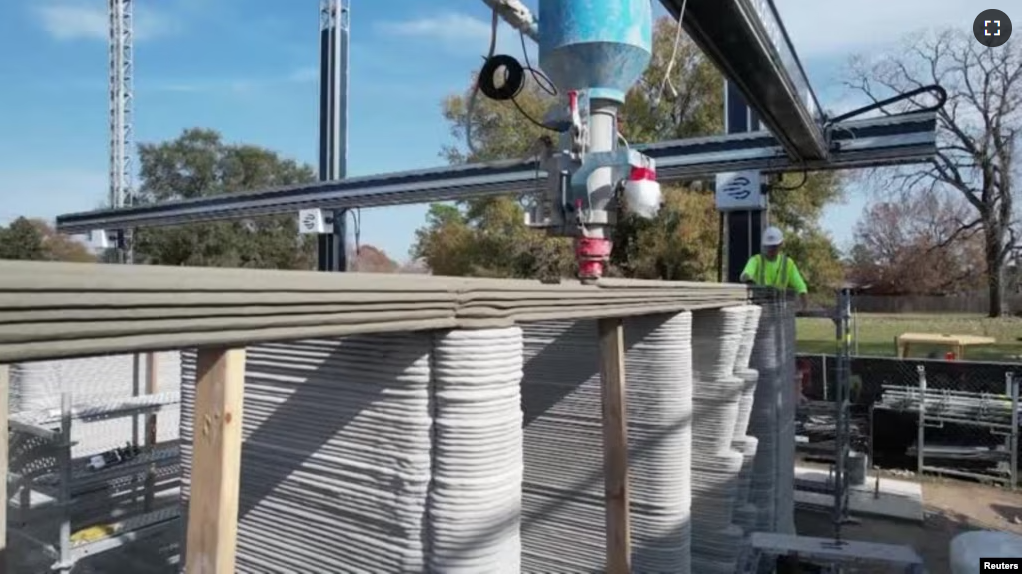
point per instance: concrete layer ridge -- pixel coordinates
(54, 310)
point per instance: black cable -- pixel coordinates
(514, 81)
(533, 120)
(539, 77)
(792, 188)
(934, 88)
(357, 220)
(514, 77)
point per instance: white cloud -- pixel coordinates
(303, 75)
(78, 20)
(459, 33)
(823, 28)
(450, 26)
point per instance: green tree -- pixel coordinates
(21, 241)
(199, 164)
(35, 239)
(489, 236)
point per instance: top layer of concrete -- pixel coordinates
(52, 310)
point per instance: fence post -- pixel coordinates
(152, 387)
(824, 374)
(856, 332)
(921, 420)
(1014, 392)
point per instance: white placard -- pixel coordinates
(99, 239)
(311, 221)
(739, 191)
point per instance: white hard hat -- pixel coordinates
(772, 237)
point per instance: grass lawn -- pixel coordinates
(877, 334)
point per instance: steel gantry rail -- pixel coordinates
(748, 43)
(854, 144)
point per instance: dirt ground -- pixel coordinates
(951, 507)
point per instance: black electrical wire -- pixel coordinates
(802, 182)
(933, 88)
(539, 77)
(514, 81)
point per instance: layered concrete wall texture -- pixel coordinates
(482, 450)
(413, 449)
(722, 394)
(563, 524)
(462, 451)
(390, 453)
(389, 435)
(773, 419)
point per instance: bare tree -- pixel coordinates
(906, 246)
(978, 131)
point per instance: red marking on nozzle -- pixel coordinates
(642, 173)
(591, 254)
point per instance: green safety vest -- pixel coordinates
(781, 280)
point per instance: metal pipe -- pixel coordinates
(136, 391)
(1014, 385)
(64, 462)
(842, 395)
(921, 419)
(603, 136)
(824, 375)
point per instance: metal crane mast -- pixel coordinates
(122, 95)
(335, 25)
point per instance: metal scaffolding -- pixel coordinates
(122, 95)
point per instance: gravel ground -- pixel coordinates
(951, 507)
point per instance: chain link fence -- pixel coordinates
(969, 424)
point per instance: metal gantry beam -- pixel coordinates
(862, 143)
(747, 42)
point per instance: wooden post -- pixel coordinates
(152, 387)
(616, 446)
(4, 406)
(216, 461)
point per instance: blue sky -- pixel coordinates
(248, 69)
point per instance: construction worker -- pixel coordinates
(774, 269)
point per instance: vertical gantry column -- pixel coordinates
(475, 496)
(717, 335)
